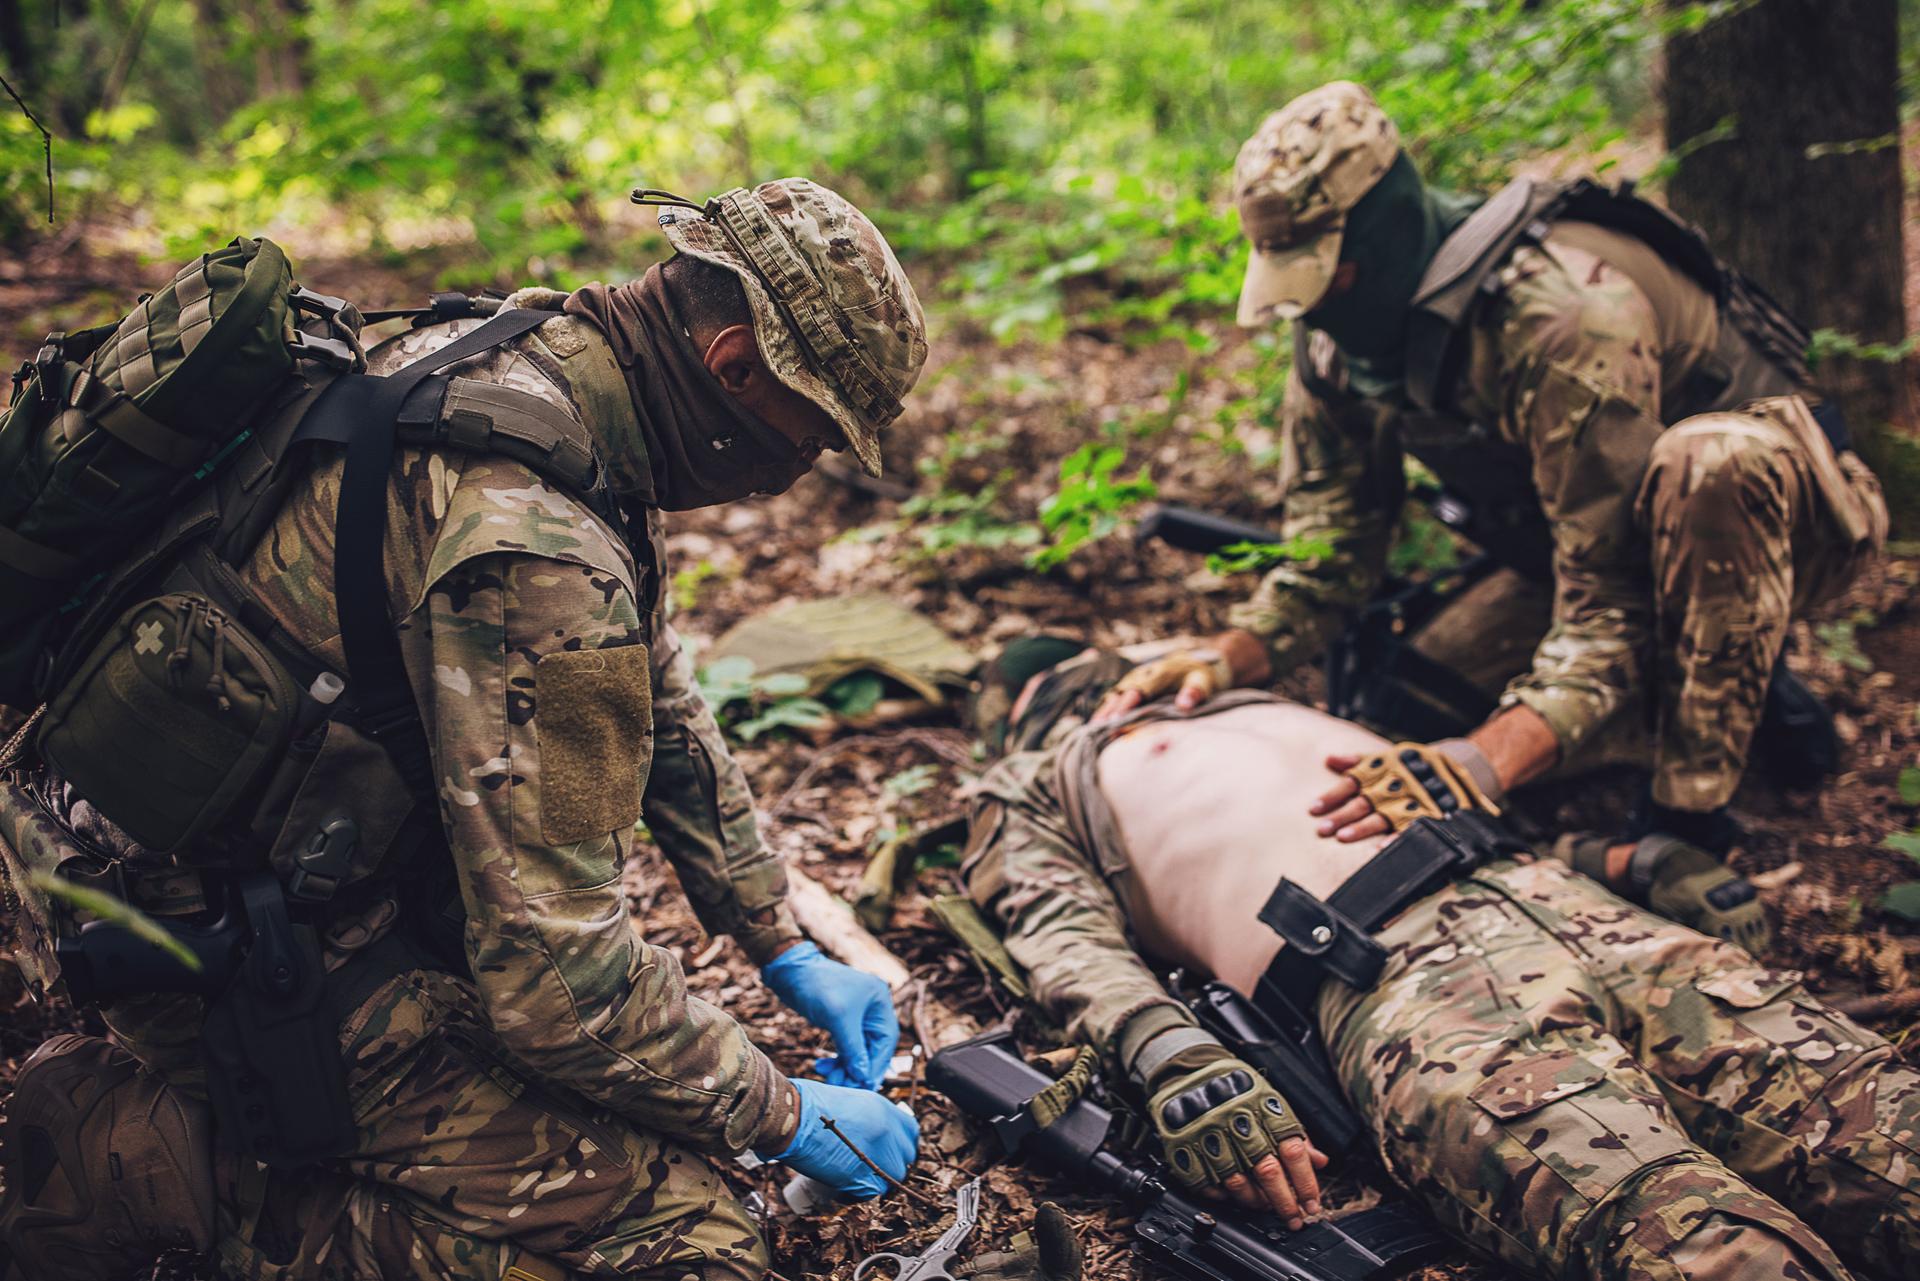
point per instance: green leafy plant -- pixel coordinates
(948, 519)
(1248, 558)
(1090, 503)
(1840, 642)
(749, 704)
(1903, 898)
(855, 695)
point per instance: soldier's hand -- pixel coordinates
(1224, 1127)
(886, 1135)
(1387, 791)
(1192, 676)
(852, 1007)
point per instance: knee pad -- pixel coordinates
(1698, 1220)
(1715, 459)
(106, 1166)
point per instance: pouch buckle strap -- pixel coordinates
(1320, 934)
(330, 352)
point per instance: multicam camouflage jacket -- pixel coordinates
(561, 710)
(1590, 347)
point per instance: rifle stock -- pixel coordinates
(991, 1083)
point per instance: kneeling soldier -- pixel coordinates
(1631, 423)
(505, 1080)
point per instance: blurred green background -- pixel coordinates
(1028, 144)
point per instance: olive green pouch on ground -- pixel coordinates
(177, 716)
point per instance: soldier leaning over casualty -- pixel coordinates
(534, 1092)
(1570, 1084)
(1633, 422)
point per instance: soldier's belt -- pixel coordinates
(1334, 937)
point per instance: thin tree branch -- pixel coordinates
(867, 1161)
(46, 140)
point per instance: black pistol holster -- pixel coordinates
(271, 1037)
(272, 1041)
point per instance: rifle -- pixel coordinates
(988, 1081)
(1374, 675)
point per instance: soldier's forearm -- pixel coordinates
(1518, 743)
(1246, 655)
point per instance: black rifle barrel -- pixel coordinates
(1193, 530)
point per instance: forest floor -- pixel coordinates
(993, 414)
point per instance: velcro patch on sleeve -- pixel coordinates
(594, 721)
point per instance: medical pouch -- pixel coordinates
(177, 716)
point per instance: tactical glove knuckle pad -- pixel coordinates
(1417, 781)
(1220, 1120)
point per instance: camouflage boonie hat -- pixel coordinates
(1294, 181)
(836, 317)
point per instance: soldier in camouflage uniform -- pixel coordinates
(1596, 405)
(1571, 1084)
(547, 1100)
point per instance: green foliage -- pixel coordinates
(1090, 503)
(855, 695)
(1840, 643)
(911, 781)
(1828, 343)
(687, 582)
(749, 704)
(1424, 546)
(950, 519)
(106, 907)
(1244, 558)
(1069, 157)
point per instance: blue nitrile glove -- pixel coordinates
(855, 1009)
(888, 1135)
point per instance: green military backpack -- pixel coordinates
(106, 427)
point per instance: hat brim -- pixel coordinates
(1284, 284)
(778, 347)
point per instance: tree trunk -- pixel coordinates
(1786, 116)
(15, 51)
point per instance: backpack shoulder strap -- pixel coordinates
(363, 412)
(1459, 277)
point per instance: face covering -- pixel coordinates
(696, 445)
(1390, 238)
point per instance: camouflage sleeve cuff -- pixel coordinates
(1141, 1022)
(1570, 714)
(763, 933)
(1150, 1025)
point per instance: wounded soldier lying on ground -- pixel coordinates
(1566, 1081)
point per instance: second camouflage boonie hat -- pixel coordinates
(1294, 181)
(836, 317)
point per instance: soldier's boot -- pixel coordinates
(106, 1167)
(1681, 882)
(1796, 744)
(1699, 1220)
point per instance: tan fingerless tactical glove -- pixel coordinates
(1216, 1116)
(1166, 675)
(1412, 781)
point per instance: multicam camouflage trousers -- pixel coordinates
(1585, 1090)
(1744, 534)
(468, 1169)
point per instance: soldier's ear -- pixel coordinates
(733, 358)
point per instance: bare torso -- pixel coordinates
(1213, 814)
